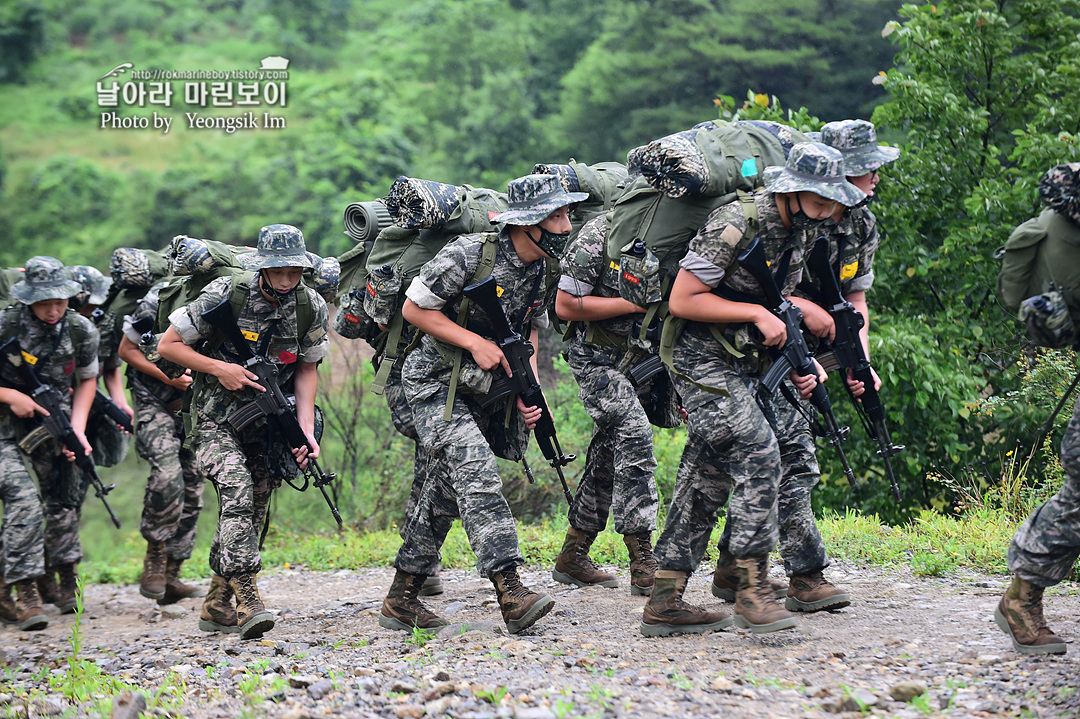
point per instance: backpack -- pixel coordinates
(603, 181)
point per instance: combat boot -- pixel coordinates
(402, 608)
(756, 607)
(667, 614)
(725, 580)
(217, 613)
(520, 606)
(813, 593)
(69, 584)
(47, 588)
(152, 584)
(432, 585)
(1020, 615)
(175, 590)
(7, 604)
(29, 614)
(642, 562)
(251, 614)
(574, 566)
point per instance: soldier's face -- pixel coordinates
(558, 222)
(283, 279)
(49, 311)
(866, 182)
(815, 206)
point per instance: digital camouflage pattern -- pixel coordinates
(1060, 190)
(857, 142)
(421, 204)
(45, 278)
(1047, 544)
(191, 256)
(533, 197)
(22, 540)
(587, 272)
(280, 246)
(256, 317)
(95, 285)
(566, 174)
(325, 276)
(857, 235)
(1048, 320)
(814, 167)
(236, 467)
(130, 268)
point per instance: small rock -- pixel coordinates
(128, 705)
(832, 705)
(722, 684)
(533, 713)
(818, 692)
(301, 681)
(5, 698)
(437, 707)
(403, 687)
(52, 706)
(906, 691)
(408, 711)
(441, 677)
(296, 714)
(363, 672)
(173, 611)
(320, 689)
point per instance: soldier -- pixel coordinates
(448, 418)
(288, 324)
(620, 467)
(1043, 255)
(173, 497)
(742, 443)
(95, 290)
(62, 346)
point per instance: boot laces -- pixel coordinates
(582, 553)
(411, 598)
(512, 585)
(28, 593)
(248, 594)
(1033, 606)
(645, 554)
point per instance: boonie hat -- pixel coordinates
(814, 167)
(534, 197)
(46, 278)
(857, 142)
(95, 285)
(279, 246)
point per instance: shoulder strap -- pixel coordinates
(483, 271)
(76, 331)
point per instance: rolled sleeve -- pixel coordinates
(184, 327)
(702, 269)
(575, 286)
(315, 344)
(423, 297)
(88, 371)
(861, 283)
(188, 321)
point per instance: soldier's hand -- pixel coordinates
(233, 377)
(531, 415)
(857, 387)
(819, 322)
(488, 356)
(806, 384)
(25, 407)
(772, 328)
(182, 382)
(303, 454)
(69, 455)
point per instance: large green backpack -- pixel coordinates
(1041, 251)
(603, 182)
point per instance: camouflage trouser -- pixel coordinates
(801, 547)
(174, 489)
(731, 450)
(22, 539)
(469, 487)
(620, 468)
(62, 544)
(238, 472)
(1047, 544)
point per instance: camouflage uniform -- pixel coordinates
(236, 463)
(22, 539)
(469, 441)
(622, 441)
(173, 497)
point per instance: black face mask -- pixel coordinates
(552, 243)
(268, 288)
(800, 220)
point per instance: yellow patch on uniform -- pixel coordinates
(251, 336)
(499, 291)
(30, 359)
(614, 265)
(731, 235)
(848, 271)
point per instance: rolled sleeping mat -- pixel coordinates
(421, 204)
(365, 220)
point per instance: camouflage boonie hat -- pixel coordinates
(534, 197)
(566, 174)
(326, 276)
(280, 246)
(46, 278)
(814, 167)
(95, 285)
(857, 142)
(1060, 190)
(1048, 320)
(130, 268)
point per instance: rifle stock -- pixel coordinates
(522, 380)
(272, 403)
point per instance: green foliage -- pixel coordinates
(22, 37)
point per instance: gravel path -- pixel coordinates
(328, 656)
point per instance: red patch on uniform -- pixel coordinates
(353, 319)
(370, 289)
(286, 357)
(492, 215)
(69, 367)
(631, 279)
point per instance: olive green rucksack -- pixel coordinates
(1043, 250)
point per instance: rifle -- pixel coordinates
(104, 405)
(523, 383)
(848, 350)
(56, 425)
(794, 355)
(272, 404)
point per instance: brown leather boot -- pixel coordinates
(402, 608)
(30, 615)
(217, 613)
(432, 585)
(47, 587)
(756, 607)
(573, 565)
(1020, 615)
(251, 614)
(725, 580)
(667, 614)
(69, 584)
(7, 604)
(520, 606)
(175, 589)
(642, 563)
(152, 584)
(813, 593)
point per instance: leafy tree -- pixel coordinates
(22, 35)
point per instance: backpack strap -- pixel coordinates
(483, 271)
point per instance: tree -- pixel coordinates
(22, 34)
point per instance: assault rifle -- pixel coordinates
(794, 355)
(103, 405)
(56, 425)
(522, 381)
(272, 404)
(848, 350)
